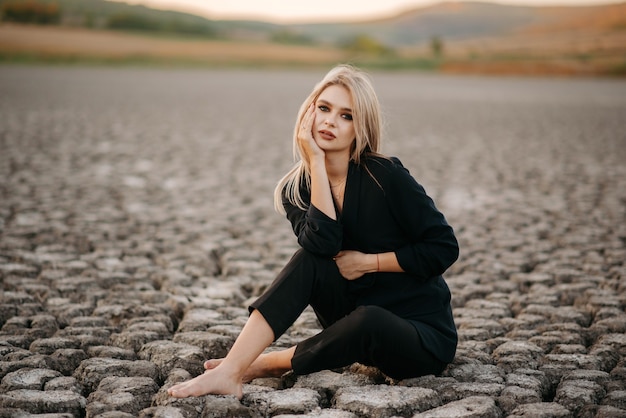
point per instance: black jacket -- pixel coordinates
(385, 209)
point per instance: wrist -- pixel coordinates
(375, 263)
(317, 165)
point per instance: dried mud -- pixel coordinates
(136, 222)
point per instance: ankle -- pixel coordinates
(272, 364)
(230, 371)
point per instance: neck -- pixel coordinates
(337, 168)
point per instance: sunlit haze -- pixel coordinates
(319, 10)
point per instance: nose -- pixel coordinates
(329, 122)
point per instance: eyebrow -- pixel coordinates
(322, 101)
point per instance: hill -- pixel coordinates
(105, 14)
(449, 20)
(452, 36)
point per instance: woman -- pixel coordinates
(374, 247)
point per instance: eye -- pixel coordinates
(347, 116)
(323, 108)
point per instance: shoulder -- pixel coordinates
(383, 167)
(392, 177)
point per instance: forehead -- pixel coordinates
(336, 95)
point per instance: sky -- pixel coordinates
(287, 11)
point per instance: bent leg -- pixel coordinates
(372, 336)
(306, 280)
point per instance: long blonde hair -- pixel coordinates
(367, 122)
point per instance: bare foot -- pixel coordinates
(214, 381)
(261, 367)
(252, 373)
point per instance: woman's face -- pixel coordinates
(333, 129)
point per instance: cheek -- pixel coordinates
(349, 131)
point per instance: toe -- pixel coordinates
(211, 364)
(177, 391)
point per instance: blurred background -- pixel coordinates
(140, 145)
(583, 37)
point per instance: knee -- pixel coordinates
(369, 317)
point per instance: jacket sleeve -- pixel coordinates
(432, 246)
(316, 232)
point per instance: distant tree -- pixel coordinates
(436, 46)
(132, 21)
(366, 45)
(286, 36)
(188, 28)
(30, 11)
(89, 21)
(139, 22)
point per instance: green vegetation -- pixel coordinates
(290, 37)
(30, 11)
(139, 22)
(416, 44)
(105, 15)
(366, 45)
(618, 69)
(132, 22)
(398, 63)
(436, 46)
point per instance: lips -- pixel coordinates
(327, 134)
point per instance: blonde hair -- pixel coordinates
(367, 122)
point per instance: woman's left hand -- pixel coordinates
(311, 150)
(354, 264)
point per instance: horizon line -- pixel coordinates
(266, 18)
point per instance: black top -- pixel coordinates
(384, 210)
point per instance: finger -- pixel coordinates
(312, 114)
(307, 122)
(306, 116)
(310, 117)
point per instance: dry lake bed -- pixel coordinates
(136, 222)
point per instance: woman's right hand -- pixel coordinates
(311, 150)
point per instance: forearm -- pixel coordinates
(321, 196)
(354, 264)
(388, 262)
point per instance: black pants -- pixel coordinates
(369, 335)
